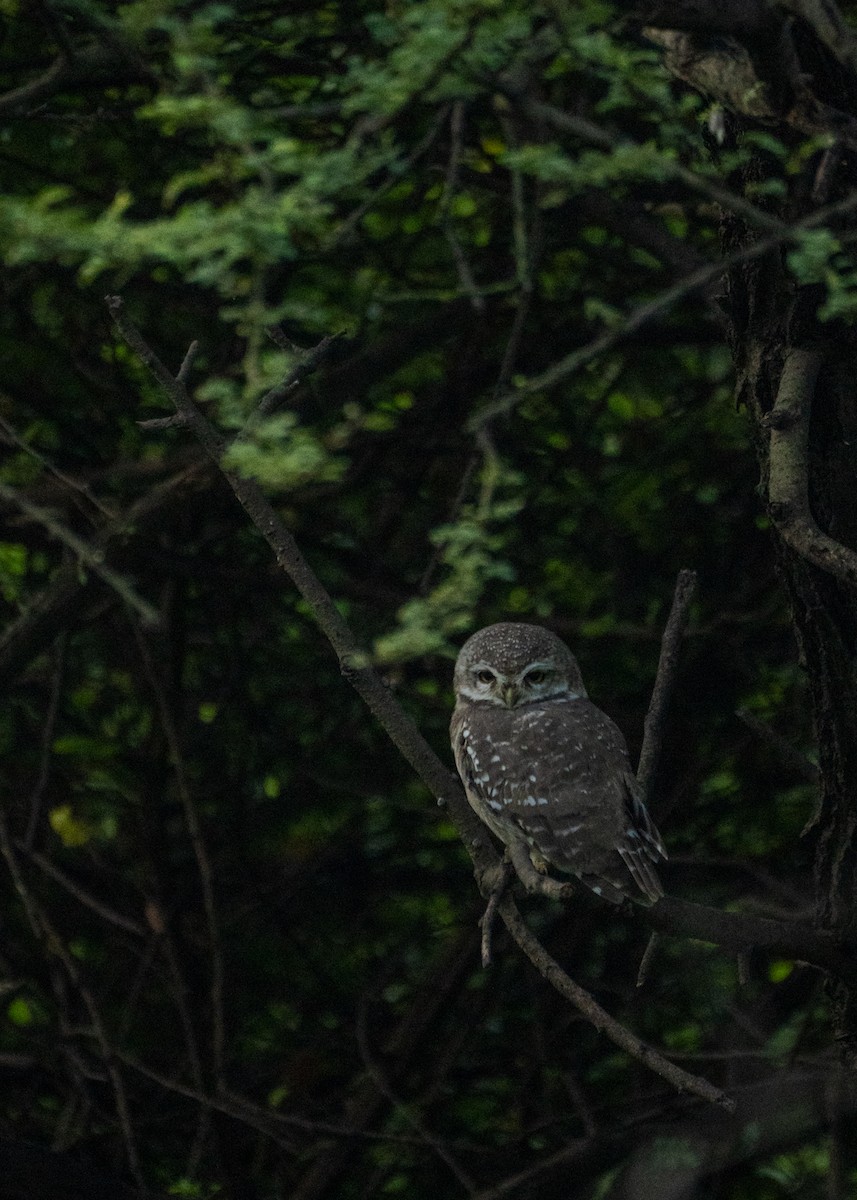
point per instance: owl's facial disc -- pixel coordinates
(537, 681)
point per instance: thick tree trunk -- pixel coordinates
(796, 379)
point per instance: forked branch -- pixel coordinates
(402, 731)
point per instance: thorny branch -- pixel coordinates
(400, 728)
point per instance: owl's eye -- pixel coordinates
(485, 676)
(535, 677)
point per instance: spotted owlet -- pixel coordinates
(546, 770)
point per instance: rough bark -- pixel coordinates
(795, 378)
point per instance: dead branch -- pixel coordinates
(653, 731)
(550, 969)
(782, 747)
(200, 850)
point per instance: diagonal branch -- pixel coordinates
(93, 558)
(550, 969)
(657, 307)
(399, 727)
(588, 131)
(354, 661)
(67, 598)
(653, 732)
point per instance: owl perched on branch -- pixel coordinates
(546, 770)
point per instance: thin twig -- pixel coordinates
(653, 730)
(187, 362)
(94, 559)
(80, 894)
(550, 970)
(656, 307)
(64, 602)
(265, 1120)
(403, 1109)
(73, 484)
(784, 749)
(203, 862)
(45, 931)
(646, 960)
(396, 169)
(309, 361)
(580, 127)
(49, 726)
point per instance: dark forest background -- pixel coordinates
(511, 310)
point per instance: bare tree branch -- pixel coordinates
(781, 746)
(657, 307)
(89, 63)
(47, 933)
(588, 131)
(67, 597)
(653, 731)
(93, 558)
(203, 862)
(788, 481)
(396, 723)
(388, 1091)
(550, 969)
(354, 661)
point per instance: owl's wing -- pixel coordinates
(575, 798)
(641, 844)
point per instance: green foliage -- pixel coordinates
(469, 556)
(207, 805)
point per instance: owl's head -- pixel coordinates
(511, 664)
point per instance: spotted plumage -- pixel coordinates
(546, 770)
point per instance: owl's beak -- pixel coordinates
(510, 694)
